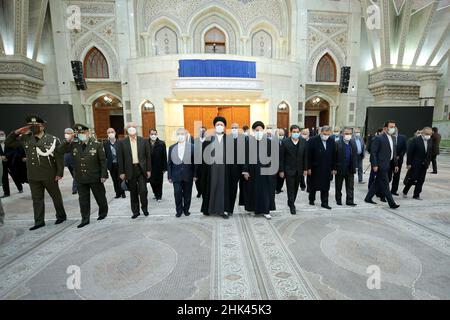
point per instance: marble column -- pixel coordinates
(243, 50)
(428, 87)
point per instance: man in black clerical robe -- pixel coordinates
(216, 175)
(259, 186)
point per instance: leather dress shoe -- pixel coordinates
(187, 214)
(178, 215)
(35, 227)
(394, 206)
(82, 224)
(326, 206)
(146, 213)
(59, 221)
(101, 218)
(351, 204)
(370, 201)
(135, 215)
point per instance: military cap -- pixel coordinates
(34, 119)
(80, 127)
(219, 118)
(258, 124)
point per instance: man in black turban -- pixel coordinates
(216, 175)
(259, 188)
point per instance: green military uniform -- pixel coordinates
(44, 164)
(89, 167)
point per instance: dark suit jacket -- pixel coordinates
(321, 162)
(178, 170)
(109, 156)
(401, 147)
(293, 158)
(417, 157)
(436, 138)
(363, 146)
(380, 152)
(159, 159)
(126, 159)
(341, 167)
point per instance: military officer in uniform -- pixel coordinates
(90, 171)
(45, 166)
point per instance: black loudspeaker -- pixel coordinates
(78, 75)
(345, 79)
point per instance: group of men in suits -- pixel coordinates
(220, 164)
(13, 164)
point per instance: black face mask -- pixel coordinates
(35, 129)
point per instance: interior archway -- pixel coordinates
(108, 113)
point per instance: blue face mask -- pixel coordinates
(295, 135)
(82, 137)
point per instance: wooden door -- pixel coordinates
(311, 122)
(283, 119)
(208, 115)
(148, 122)
(324, 118)
(241, 115)
(101, 122)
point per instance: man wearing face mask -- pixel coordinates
(259, 187)
(321, 165)
(9, 158)
(280, 180)
(419, 156)
(135, 165)
(111, 146)
(216, 175)
(181, 172)
(200, 143)
(360, 149)
(45, 167)
(400, 141)
(346, 164)
(68, 160)
(90, 171)
(382, 152)
(336, 134)
(245, 130)
(293, 164)
(159, 164)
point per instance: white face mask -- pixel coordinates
(153, 137)
(358, 134)
(132, 131)
(220, 129)
(259, 135)
(246, 133)
(391, 131)
(66, 136)
(235, 132)
(348, 137)
(426, 137)
(324, 137)
(82, 137)
(111, 136)
(181, 138)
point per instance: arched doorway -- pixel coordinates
(215, 41)
(317, 113)
(108, 113)
(148, 117)
(283, 115)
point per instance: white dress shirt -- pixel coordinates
(181, 147)
(425, 143)
(391, 144)
(219, 137)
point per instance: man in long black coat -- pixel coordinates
(159, 163)
(293, 164)
(420, 153)
(321, 152)
(259, 186)
(198, 142)
(216, 175)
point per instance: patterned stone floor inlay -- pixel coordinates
(316, 254)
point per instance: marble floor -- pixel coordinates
(317, 254)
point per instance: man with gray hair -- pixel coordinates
(321, 151)
(419, 156)
(181, 172)
(68, 160)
